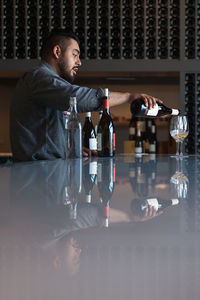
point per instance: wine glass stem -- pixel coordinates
(179, 148)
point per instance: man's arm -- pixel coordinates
(117, 98)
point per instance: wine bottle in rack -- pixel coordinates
(132, 129)
(89, 134)
(106, 131)
(153, 139)
(138, 141)
(138, 109)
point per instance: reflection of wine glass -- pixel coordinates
(180, 181)
(179, 130)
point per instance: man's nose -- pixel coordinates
(79, 62)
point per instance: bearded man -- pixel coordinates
(37, 128)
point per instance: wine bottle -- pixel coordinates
(142, 125)
(138, 108)
(105, 131)
(132, 129)
(74, 132)
(89, 134)
(153, 139)
(138, 141)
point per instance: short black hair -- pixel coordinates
(56, 37)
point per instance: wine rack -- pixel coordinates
(191, 106)
(112, 29)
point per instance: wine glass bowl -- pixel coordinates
(179, 130)
(180, 183)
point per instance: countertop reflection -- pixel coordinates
(124, 227)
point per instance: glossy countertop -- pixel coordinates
(103, 228)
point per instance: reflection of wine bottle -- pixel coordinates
(73, 187)
(141, 177)
(106, 180)
(139, 109)
(105, 131)
(132, 176)
(139, 206)
(89, 134)
(89, 177)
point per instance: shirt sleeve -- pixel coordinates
(55, 92)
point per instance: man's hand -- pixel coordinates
(118, 98)
(88, 153)
(149, 101)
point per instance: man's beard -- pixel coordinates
(63, 73)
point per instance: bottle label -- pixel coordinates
(93, 168)
(132, 130)
(138, 149)
(153, 112)
(153, 129)
(93, 144)
(175, 201)
(153, 202)
(175, 112)
(99, 142)
(152, 148)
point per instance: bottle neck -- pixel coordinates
(73, 107)
(106, 105)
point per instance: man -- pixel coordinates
(37, 127)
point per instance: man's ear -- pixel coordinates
(56, 51)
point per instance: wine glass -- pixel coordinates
(179, 130)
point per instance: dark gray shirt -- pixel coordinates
(37, 128)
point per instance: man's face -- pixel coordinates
(69, 61)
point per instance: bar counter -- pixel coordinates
(126, 227)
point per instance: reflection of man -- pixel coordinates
(36, 117)
(40, 217)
